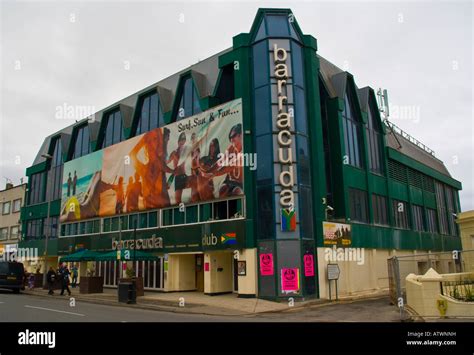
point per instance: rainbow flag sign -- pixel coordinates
(228, 238)
(288, 220)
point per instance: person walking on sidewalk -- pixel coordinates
(74, 276)
(64, 276)
(50, 278)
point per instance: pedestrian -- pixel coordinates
(74, 276)
(64, 272)
(50, 278)
(31, 281)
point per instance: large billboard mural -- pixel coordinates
(199, 158)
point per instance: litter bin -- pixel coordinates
(127, 292)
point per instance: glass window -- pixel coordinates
(235, 208)
(17, 205)
(154, 111)
(178, 216)
(379, 207)
(263, 121)
(417, 214)
(264, 160)
(14, 232)
(400, 214)
(189, 104)
(261, 75)
(277, 25)
(143, 220)
(36, 188)
(114, 224)
(114, 130)
(358, 205)
(133, 221)
(96, 226)
(306, 212)
(205, 212)
(300, 111)
(374, 137)
(451, 209)
(6, 207)
(191, 214)
(351, 134)
(152, 219)
(167, 217)
(55, 173)
(3, 233)
(265, 215)
(220, 210)
(73, 228)
(82, 228)
(431, 223)
(303, 160)
(124, 220)
(441, 204)
(67, 229)
(107, 224)
(298, 77)
(82, 144)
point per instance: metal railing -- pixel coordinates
(408, 137)
(461, 290)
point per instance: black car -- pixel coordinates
(11, 275)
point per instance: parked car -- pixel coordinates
(12, 276)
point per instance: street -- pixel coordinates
(28, 308)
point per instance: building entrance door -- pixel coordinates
(200, 272)
(235, 274)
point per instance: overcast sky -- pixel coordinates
(56, 53)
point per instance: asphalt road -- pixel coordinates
(28, 308)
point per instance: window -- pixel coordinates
(358, 205)
(189, 104)
(374, 140)
(441, 204)
(191, 214)
(352, 134)
(36, 188)
(82, 145)
(3, 233)
(14, 232)
(417, 212)
(431, 224)
(34, 228)
(113, 130)
(379, 206)
(151, 115)
(16, 205)
(56, 172)
(6, 207)
(51, 227)
(400, 214)
(451, 203)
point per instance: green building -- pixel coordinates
(319, 177)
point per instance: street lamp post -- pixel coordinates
(46, 237)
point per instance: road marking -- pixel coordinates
(55, 310)
(2, 302)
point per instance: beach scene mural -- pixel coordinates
(199, 158)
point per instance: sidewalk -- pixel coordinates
(194, 302)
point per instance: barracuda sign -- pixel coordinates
(283, 122)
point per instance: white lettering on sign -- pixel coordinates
(151, 243)
(283, 122)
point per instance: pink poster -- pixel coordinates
(308, 265)
(290, 280)
(266, 264)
